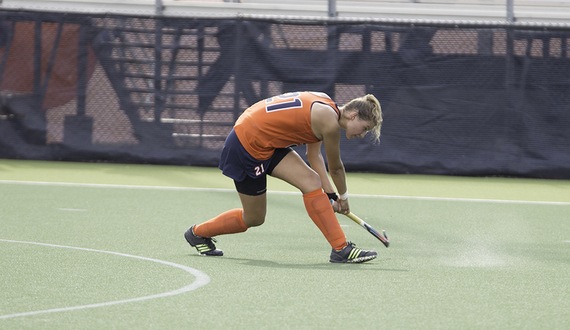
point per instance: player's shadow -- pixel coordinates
(328, 266)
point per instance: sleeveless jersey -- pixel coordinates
(279, 122)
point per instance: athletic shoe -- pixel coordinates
(204, 245)
(352, 254)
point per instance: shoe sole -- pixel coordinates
(210, 255)
(355, 260)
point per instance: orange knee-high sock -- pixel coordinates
(319, 208)
(229, 222)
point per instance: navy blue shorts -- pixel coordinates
(248, 173)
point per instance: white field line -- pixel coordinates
(99, 185)
(201, 280)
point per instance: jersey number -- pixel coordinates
(287, 105)
(259, 170)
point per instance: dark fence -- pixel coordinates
(457, 99)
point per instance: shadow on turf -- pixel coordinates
(371, 265)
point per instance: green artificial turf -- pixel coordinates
(465, 253)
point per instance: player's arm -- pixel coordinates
(317, 163)
(326, 128)
(336, 167)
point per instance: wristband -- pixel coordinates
(332, 196)
(344, 196)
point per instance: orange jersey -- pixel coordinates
(278, 122)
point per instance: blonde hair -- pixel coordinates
(369, 109)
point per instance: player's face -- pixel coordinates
(357, 128)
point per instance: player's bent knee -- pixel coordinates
(311, 183)
(253, 220)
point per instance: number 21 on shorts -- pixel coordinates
(259, 170)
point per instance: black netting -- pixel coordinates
(463, 100)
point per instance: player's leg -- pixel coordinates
(293, 169)
(253, 198)
(254, 209)
(237, 164)
(200, 236)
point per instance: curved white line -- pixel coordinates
(201, 280)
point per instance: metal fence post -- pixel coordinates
(158, 7)
(332, 8)
(510, 11)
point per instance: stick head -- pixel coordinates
(386, 237)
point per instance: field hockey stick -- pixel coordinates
(384, 239)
